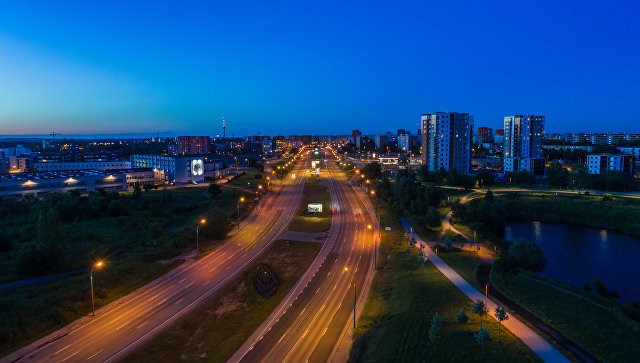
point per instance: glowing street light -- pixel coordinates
(202, 221)
(354, 295)
(98, 264)
(238, 205)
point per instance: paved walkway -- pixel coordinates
(531, 339)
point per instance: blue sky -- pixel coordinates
(314, 66)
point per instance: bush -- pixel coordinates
(6, 244)
(528, 255)
(115, 208)
(462, 317)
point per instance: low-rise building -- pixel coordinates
(599, 163)
(172, 169)
(40, 184)
(96, 165)
(533, 165)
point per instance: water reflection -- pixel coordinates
(578, 254)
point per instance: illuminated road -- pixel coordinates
(122, 326)
(309, 323)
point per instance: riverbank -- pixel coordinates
(614, 213)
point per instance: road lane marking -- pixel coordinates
(118, 328)
(177, 302)
(71, 355)
(94, 354)
(141, 325)
(161, 302)
(322, 308)
(181, 281)
(155, 296)
(189, 285)
(305, 333)
(62, 349)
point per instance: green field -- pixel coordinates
(607, 335)
(136, 246)
(403, 298)
(304, 221)
(219, 326)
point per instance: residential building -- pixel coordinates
(404, 142)
(283, 145)
(486, 134)
(267, 146)
(523, 135)
(599, 163)
(194, 145)
(446, 141)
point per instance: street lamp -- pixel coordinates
(241, 200)
(354, 296)
(96, 265)
(202, 221)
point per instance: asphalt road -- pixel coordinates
(122, 326)
(310, 322)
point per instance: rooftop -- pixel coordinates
(62, 174)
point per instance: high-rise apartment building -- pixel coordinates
(193, 145)
(486, 134)
(446, 141)
(523, 135)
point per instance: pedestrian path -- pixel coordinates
(530, 338)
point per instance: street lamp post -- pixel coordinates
(202, 221)
(354, 296)
(238, 205)
(97, 264)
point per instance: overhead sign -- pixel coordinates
(314, 207)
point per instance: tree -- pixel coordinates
(5, 242)
(433, 218)
(485, 177)
(434, 330)
(147, 187)
(462, 316)
(506, 266)
(482, 336)
(408, 251)
(480, 308)
(529, 255)
(372, 171)
(115, 208)
(214, 189)
(47, 252)
(501, 315)
(260, 168)
(137, 193)
(448, 245)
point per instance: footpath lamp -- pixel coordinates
(238, 205)
(95, 265)
(354, 296)
(202, 221)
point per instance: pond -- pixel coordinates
(578, 254)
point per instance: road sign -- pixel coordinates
(387, 228)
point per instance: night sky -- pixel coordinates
(314, 67)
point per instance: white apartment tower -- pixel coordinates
(523, 135)
(446, 141)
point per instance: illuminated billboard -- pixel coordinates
(197, 167)
(314, 207)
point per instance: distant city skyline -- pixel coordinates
(314, 68)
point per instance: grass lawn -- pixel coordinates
(606, 334)
(404, 296)
(152, 229)
(304, 221)
(218, 327)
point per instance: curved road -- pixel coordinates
(125, 324)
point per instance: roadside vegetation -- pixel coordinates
(304, 221)
(282, 168)
(399, 320)
(215, 329)
(135, 234)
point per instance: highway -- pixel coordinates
(309, 323)
(124, 325)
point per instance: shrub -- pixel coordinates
(6, 244)
(529, 255)
(462, 317)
